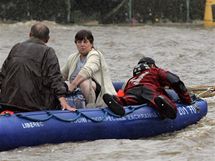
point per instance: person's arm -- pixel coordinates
(87, 71)
(65, 69)
(53, 78)
(1, 78)
(175, 83)
(92, 65)
(5, 64)
(74, 84)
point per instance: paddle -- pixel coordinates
(203, 90)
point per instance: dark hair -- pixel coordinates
(84, 34)
(40, 31)
(146, 60)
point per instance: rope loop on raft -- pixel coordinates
(106, 112)
(20, 115)
(210, 90)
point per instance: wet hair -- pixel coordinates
(84, 35)
(146, 60)
(40, 31)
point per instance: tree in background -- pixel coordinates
(103, 11)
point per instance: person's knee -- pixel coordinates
(88, 89)
(87, 86)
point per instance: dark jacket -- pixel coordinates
(30, 77)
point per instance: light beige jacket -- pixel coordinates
(95, 68)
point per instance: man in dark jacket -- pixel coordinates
(30, 78)
(147, 86)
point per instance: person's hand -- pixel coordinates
(68, 107)
(71, 87)
(65, 105)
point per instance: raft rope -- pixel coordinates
(79, 114)
(106, 112)
(210, 89)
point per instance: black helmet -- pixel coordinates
(143, 64)
(146, 60)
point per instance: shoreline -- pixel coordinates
(197, 23)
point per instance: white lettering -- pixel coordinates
(32, 124)
(192, 109)
(81, 120)
(183, 111)
(137, 80)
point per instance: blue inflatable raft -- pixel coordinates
(35, 128)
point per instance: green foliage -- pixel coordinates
(76, 11)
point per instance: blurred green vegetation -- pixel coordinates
(103, 11)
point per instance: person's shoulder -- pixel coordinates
(160, 71)
(16, 45)
(72, 57)
(155, 69)
(95, 52)
(76, 54)
(49, 51)
(50, 48)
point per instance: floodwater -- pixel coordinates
(185, 50)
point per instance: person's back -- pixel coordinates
(153, 78)
(24, 74)
(30, 79)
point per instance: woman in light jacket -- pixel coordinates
(88, 70)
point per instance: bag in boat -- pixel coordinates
(76, 99)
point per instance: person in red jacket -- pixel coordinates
(148, 86)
